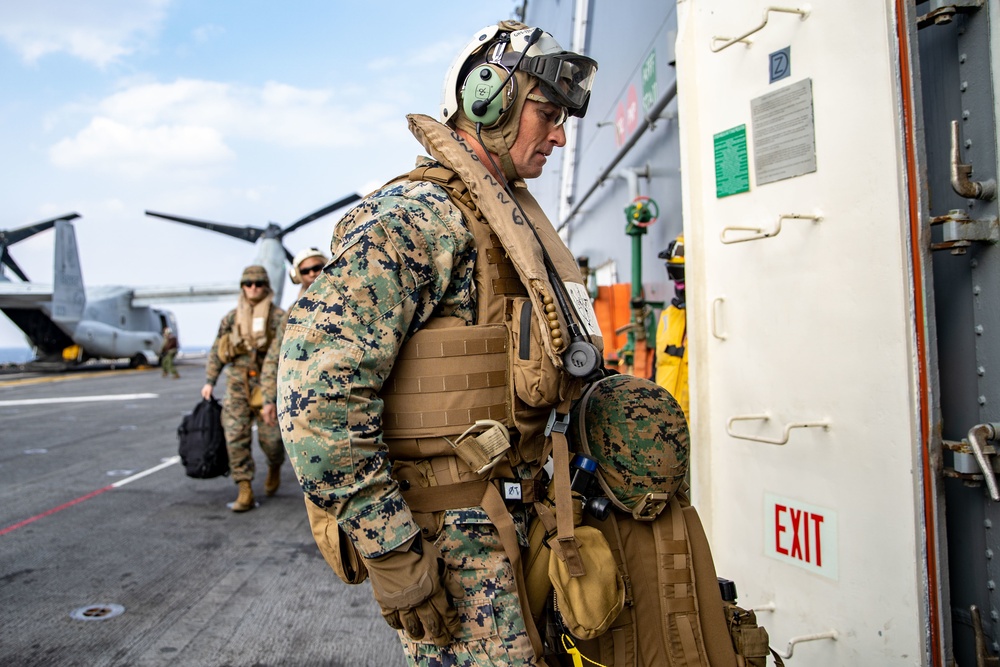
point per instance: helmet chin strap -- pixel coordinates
(499, 138)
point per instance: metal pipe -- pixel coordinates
(961, 182)
(647, 123)
(568, 176)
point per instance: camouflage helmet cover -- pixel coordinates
(637, 433)
(255, 272)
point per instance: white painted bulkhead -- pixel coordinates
(813, 325)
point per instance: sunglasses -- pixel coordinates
(254, 283)
(315, 268)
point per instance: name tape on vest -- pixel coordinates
(580, 297)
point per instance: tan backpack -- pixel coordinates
(674, 614)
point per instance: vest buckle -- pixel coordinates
(483, 451)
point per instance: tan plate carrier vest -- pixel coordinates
(507, 367)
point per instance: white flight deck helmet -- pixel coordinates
(302, 256)
(472, 99)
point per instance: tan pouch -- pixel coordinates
(256, 397)
(337, 549)
(750, 641)
(588, 604)
(536, 379)
(225, 349)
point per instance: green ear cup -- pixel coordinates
(483, 82)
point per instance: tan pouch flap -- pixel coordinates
(589, 604)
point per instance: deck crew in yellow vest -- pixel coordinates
(671, 333)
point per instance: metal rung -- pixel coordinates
(803, 14)
(830, 634)
(755, 233)
(771, 441)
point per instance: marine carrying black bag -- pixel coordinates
(203, 442)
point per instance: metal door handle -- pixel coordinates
(755, 233)
(716, 317)
(803, 15)
(825, 425)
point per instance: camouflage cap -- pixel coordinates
(255, 272)
(638, 435)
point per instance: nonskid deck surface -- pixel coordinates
(111, 555)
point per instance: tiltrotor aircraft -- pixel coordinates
(271, 254)
(68, 324)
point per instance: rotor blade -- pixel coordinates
(344, 201)
(12, 236)
(248, 234)
(5, 258)
(288, 255)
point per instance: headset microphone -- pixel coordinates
(480, 107)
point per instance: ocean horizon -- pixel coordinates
(21, 355)
(16, 355)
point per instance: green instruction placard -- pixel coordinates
(732, 169)
(649, 81)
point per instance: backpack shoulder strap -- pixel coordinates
(457, 190)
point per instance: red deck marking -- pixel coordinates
(55, 509)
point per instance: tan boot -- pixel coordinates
(244, 501)
(273, 480)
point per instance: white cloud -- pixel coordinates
(438, 52)
(149, 126)
(97, 31)
(136, 151)
(205, 33)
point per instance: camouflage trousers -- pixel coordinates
(237, 421)
(167, 363)
(493, 628)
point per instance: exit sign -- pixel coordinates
(801, 534)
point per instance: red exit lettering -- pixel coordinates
(804, 528)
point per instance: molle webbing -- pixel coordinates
(445, 379)
(679, 598)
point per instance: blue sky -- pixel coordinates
(241, 112)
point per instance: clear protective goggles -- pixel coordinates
(564, 77)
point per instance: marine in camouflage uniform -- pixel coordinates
(306, 266)
(403, 260)
(243, 376)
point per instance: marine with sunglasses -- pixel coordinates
(245, 335)
(306, 267)
(418, 373)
